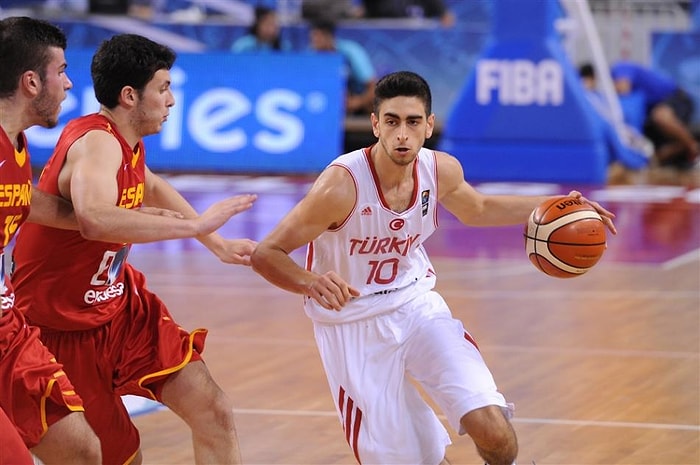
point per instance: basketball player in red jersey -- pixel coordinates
(368, 287)
(113, 335)
(37, 397)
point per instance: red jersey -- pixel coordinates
(15, 198)
(62, 280)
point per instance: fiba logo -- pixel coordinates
(520, 82)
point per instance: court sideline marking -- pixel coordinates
(539, 421)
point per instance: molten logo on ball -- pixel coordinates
(564, 237)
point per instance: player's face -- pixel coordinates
(402, 127)
(47, 104)
(154, 104)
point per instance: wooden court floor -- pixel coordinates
(603, 368)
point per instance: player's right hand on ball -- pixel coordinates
(331, 291)
(219, 213)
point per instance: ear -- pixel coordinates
(375, 124)
(128, 96)
(430, 126)
(30, 82)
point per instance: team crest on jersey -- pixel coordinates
(424, 201)
(21, 157)
(397, 224)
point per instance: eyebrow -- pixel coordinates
(394, 115)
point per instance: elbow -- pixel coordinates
(91, 230)
(256, 259)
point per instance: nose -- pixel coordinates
(402, 132)
(68, 84)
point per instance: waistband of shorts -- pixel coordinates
(395, 289)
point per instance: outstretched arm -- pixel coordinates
(162, 194)
(89, 180)
(473, 208)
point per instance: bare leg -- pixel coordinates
(69, 440)
(194, 396)
(493, 435)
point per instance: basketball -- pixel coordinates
(564, 237)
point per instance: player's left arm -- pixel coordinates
(474, 208)
(51, 210)
(161, 194)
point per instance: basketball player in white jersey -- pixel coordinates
(368, 287)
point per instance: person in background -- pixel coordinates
(37, 396)
(409, 9)
(263, 35)
(369, 288)
(623, 136)
(668, 111)
(359, 70)
(113, 335)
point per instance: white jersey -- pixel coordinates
(376, 250)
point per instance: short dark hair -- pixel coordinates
(262, 12)
(126, 60)
(403, 84)
(24, 46)
(324, 24)
(586, 70)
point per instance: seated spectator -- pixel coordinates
(409, 8)
(360, 73)
(263, 35)
(668, 112)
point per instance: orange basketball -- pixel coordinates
(564, 237)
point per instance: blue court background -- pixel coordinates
(310, 132)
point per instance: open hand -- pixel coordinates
(605, 215)
(219, 213)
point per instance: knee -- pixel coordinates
(218, 414)
(493, 435)
(86, 453)
(88, 449)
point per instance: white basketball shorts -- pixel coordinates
(369, 365)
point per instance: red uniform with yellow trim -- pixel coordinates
(12, 448)
(36, 391)
(113, 335)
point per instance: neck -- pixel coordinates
(390, 173)
(12, 121)
(121, 123)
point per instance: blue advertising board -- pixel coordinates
(233, 113)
